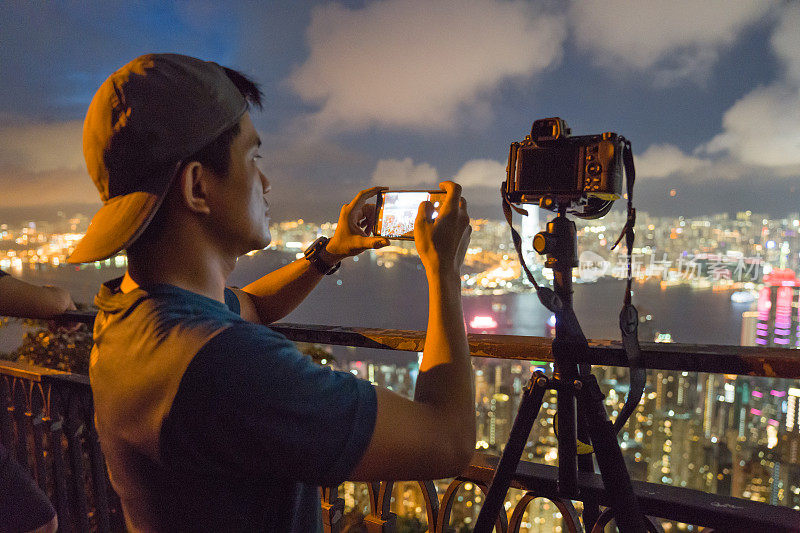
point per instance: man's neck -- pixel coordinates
(201, 272)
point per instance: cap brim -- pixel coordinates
(115, 226)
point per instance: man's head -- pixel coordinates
(150, 121)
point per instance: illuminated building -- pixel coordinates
(709, 406)
(778, 320)
(792, 412)
(749, 326)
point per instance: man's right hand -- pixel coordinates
(432, 436)
(442, 242)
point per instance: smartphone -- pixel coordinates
(396, 212)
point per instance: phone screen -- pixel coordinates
(397, 211)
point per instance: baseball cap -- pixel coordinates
(150, 114)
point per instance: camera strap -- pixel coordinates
(546, 295)
(629, 316)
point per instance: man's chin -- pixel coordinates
(263, 243)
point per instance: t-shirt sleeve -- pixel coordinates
(250, 404)
(232, 301)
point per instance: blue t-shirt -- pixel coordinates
(212, 423)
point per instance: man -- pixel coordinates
(209, 420)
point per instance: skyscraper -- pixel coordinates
(778, 320)
(749, 328)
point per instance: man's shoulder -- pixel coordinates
(161, 310)
(143, 343)
(245, 339)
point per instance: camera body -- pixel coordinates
(550, 168)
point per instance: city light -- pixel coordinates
(483, 322)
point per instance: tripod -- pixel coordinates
(581, 413)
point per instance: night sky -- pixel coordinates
(407, 92)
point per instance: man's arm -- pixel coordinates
(22, 299)
(275, 295)
(278, 293)
(432, 436)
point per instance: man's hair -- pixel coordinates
(216, 155)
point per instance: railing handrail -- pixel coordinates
(37, 374)
(711, 358)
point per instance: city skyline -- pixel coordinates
(726, 253)
(406, 92)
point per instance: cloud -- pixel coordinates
(51, 187)
(288, 157)
(42, 147)
(42, 164)
(786, 43)
(404, 174)
(662, 160)
(668, 161)
(760, 133)
(675, 40)
(762, 128)
(419, 63)
(481, 173)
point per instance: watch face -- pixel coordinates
(316, 246)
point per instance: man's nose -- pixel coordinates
(265, 182)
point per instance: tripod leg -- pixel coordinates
(567, 433)
(591, 509)
(616, 480)
(526, 416)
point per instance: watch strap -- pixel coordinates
(314, 256)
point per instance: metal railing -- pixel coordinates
(47, 424)
(47, 420)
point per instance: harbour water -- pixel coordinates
(367, 293)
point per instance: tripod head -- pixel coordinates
(559, 243)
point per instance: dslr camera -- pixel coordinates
(553, 169)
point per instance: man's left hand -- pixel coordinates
(353, 230)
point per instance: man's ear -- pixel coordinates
(193, 186)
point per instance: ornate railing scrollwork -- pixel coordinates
(568, 513)
(446, 506)
(431, 503)
(652, 525)
(332, 509)
(380, 519)
(47, 423)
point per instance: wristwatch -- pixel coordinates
(313, 254)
